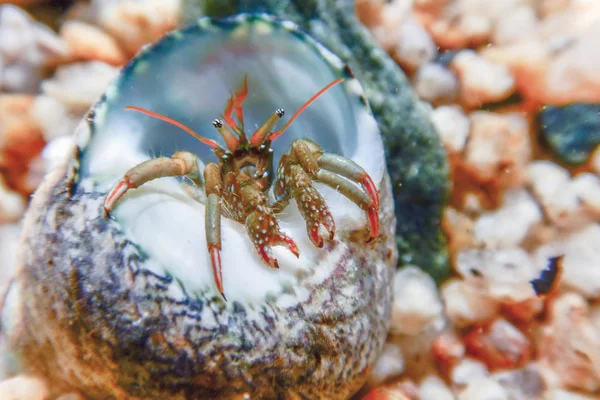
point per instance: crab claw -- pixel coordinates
(264, 232)
(264, 249)
(314, 229)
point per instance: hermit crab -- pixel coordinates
(130, 245)
(239, 182)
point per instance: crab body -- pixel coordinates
(133, 297)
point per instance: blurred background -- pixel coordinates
(513, 89)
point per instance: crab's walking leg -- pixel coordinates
(349, 169)
(212, 179)
(179, 164)
(294, 181)
(332, 170)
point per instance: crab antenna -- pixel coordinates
(261, 133)
(234, 105)
(232, 142)
(204, 140)
(304, 106)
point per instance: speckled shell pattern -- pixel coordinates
(93, 317)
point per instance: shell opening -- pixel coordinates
(189, 77)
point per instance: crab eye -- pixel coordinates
(280, 112)
(217, 123)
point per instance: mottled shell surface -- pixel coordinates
(126, 307)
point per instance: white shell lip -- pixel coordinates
(163, 220)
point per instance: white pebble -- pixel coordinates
(57, 151)
(466, 304)
(467, 371)
(77, 86)
(502, 274)
(522, 384)
(499, 147)
(12, 204)
(9, 245)
(554, 189)
(389, 364)
(23, 388)
(53, 118)
(509, 225)
(434, 388)
(416, 301)
(434, 82)
(484, 389)
(517, 23)
(481, 81)
(581, 250)
(453, 127)
(561, 394)
(568, 344)
(415, 47)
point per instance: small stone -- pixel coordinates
(53, 117)
(509, 225)
(481, 81)
(498, 345)
(434, 388)
(569, 343)
(459, 229)
(20, 140)
(483, 389)
(581, 252)
(447, 349)
(525, 310)
(77, 86)
(89, 43)
(415, 47)
(12, 204)
(57, 152)
(467, 371)
(561, 197)
(135, 23)
(23, 388)
(434, 82)
(571, 131)
(385, 22)
(389, 364)
(504, 275)
(516, 24)
(561, 394)
(559, 64)
(465, 304)
(498, 148)
(25, 46)
(453, 126)
(9, 247)
(416, 301)
(522, 384)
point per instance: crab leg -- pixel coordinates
(350, 170)
(334, 171)
(357, 196)
(296, 182)
(179, 164)
(212, 223)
